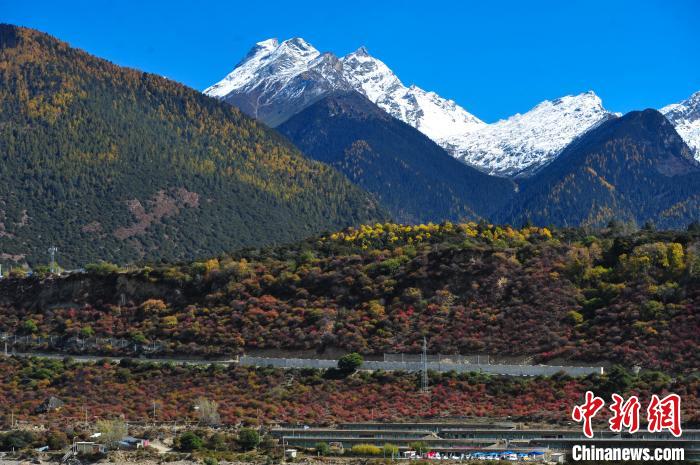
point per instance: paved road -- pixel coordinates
(94, 358)
(498, 369)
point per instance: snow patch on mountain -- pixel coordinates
(685, 116)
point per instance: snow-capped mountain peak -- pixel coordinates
(260, 49)
(685, 116)
(580, 102)
(266, 45)
(688, 108)
(267, 61)
(279, 79)
(431, 114)
(361, 51)
(294, 51)
(528, 141)
(295, 70)
(369, 75)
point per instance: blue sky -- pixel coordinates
(495, 58)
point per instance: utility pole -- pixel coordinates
(52, 251)
(424, 360)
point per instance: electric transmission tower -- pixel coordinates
(424, 370)
(52, 265)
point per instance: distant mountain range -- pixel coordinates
(635, 168)
(277, 80)
(111, 163)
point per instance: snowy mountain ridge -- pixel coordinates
(277, 80)
(268, 61)
(525, 142)
(685, 116)
(431, 114)
(293, 69)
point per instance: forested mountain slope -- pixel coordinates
(111, 163)
(634, 168)
(413, 177)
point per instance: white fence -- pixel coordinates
(511, 370)
(12, 342)
(440, 358)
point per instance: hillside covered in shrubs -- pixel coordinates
(468, 288)
(251, 396)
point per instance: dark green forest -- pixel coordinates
(414, 178)
(111, 163)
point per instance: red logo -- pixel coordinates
(665, 414)
(662, 414)
(587, 411)
(625, 414)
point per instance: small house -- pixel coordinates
(88, 448)
(557, 457)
